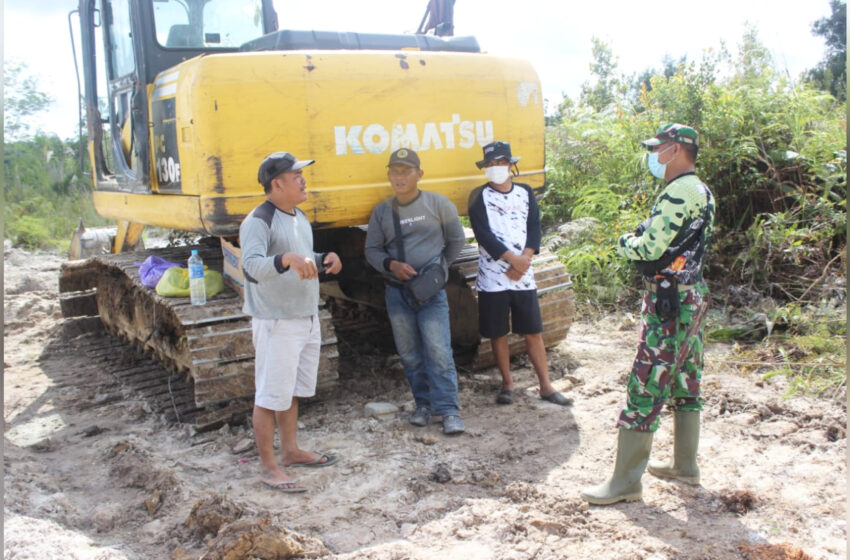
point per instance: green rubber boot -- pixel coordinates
(685, 442)
(632, 456)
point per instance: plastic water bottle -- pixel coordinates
(197, 288)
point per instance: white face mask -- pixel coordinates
(498, 174)
(657, 169)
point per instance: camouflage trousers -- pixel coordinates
(669, 362)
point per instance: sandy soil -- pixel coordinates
(91, 472)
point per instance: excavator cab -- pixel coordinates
(125, 45)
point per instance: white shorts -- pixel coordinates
(286, 361)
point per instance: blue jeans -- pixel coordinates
(424, 342)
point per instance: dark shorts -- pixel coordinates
(522, 306)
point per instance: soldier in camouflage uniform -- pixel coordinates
(669, 249)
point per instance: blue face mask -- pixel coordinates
(657, 169)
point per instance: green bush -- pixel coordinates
(46, 192)
(771, 150)
(29, 232)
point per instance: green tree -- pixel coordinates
(21, 99)
(755, 63)
(603, 91)
(831, 74)
(45, 191)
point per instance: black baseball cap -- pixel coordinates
(496, 150)
(404, 156)
(277, 163)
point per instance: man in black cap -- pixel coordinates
(412, 232)
(506, 222)
(282, 296)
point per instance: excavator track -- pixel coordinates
(209, 345)
(209, 348)
(123, 370)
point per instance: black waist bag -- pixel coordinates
(667, 297)
(426, 284)
(429, 281)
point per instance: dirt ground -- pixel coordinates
(92, 472)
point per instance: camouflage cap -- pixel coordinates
(673, 133)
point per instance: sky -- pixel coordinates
(555, 35)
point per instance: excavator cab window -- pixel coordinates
(120, 158)
(207, 24)
(121, 55)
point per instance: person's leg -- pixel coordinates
(686, 393)
(685, 396)
(493, 323)
(649, 382)
(263, 420)
(527, 321)
(433, 323)
(287, 423)
(270, 374)
(408, 344)
(648, 388)
(307, 333)
(633, 448)
(537, 353)
(502, 356)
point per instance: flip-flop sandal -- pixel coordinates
(289, 486)
(557, 398)
(317, 462)
(506, 396)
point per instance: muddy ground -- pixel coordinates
(93, 471)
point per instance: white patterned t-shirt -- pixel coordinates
(504, 221)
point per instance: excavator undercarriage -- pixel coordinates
(210, 346)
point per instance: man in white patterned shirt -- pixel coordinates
(506, 222)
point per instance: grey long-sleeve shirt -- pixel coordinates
(430, 230)
(273, 291)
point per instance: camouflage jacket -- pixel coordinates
(683, 201)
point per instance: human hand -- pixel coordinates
(514, 274)
(332, 263)
(521, 263)
(304, 266)
(402, 271)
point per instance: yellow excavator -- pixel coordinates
(183, 100)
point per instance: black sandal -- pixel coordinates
(506, 396)
(557, 398)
